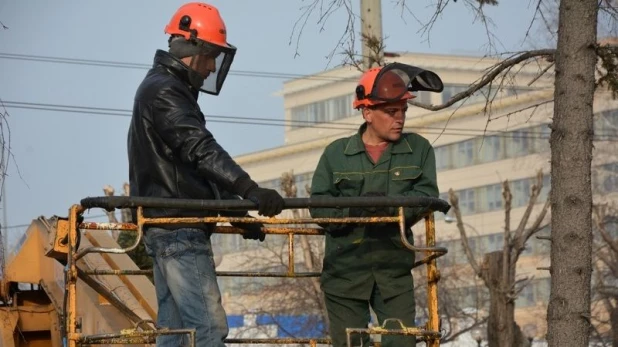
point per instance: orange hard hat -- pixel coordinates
(204, 33)
(389, 87)
(199, 21)
(394, 82)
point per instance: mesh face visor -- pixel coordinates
(395, 82)
(224, 56)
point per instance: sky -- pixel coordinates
(59, 158)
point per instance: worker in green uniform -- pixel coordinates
(367, 265)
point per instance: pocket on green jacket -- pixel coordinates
(404, 178)
(349, 184)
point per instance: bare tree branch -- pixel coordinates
(536, 226)
(476, 7)
(454, 200)
(453, 336)
(609, 7)
(492, 73)
(522, 234)
(507, 274)
(376, 48)
(608, 291)
(324, 13)
(6, 155)
(533, 107)
(541, 74)
(601, 212)
(535, 191)
(518, 286)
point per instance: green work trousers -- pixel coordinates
(353, 313)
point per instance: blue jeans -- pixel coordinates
(186, 285)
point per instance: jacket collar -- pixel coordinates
(356, 145)
(175, 66)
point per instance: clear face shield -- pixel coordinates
(210, 67)
(395, 82)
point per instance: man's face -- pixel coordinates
(204, 65)
(387, 120)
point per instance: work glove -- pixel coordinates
(269, 202)
(371, 211)
(251, 231)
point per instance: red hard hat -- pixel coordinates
(375, 88)
(204, 33)
(201, 21)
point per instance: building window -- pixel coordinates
(494, 197)
(467, 202)
(513, 144)
(495, 242)
(535, 291)
(489, 198)
(465, 153)
(610, 177)
(606, 125)
(486, 149)
(443, 157)
(452, 90)
(481, 95)
(526, 296)
(423, 97)
(491, 149)
(521, 192)
(324, 111)
(540, 246)
(520, 143)
(546, 187)
(542, 134)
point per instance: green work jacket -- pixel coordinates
(357, 257)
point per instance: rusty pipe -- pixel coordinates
(285, 340)
(108, 226)
(132, 336)
(212, 220)
(138, 239)
(404, 239)
(219, 273)
(113, 202)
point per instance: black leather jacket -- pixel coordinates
(171, 153)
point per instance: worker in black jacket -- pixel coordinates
(173, 155)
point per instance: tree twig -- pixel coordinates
(454, 200)
(489, 76)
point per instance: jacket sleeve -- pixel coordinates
(182, 129)
(322, 185)
(426, 186)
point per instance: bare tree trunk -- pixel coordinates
(568, 314)
(614, 323)
(502, 331)
(498, 269)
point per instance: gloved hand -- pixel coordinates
(252, 231)
(269, 202)
(371, 211)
